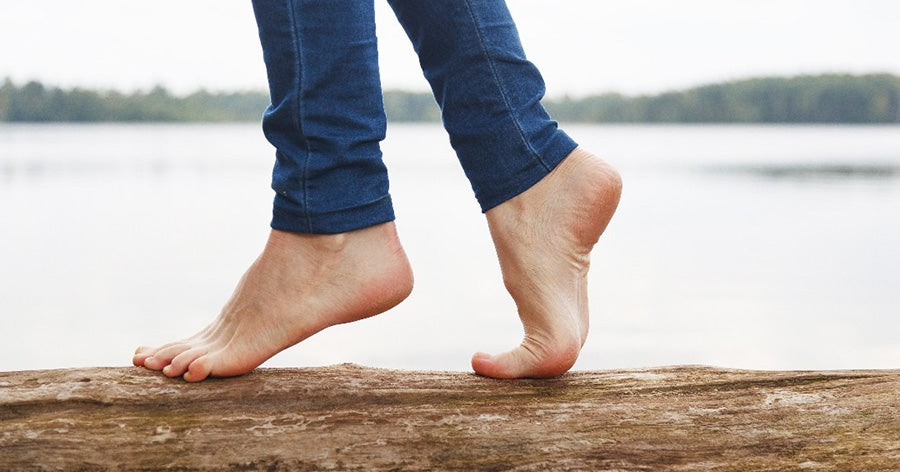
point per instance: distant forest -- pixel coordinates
(830, 98)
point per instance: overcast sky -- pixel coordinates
(581, 46)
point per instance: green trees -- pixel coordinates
(6, 92)
(410, 106)
(34, 102)
(830, 98)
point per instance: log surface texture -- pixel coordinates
(349, 417)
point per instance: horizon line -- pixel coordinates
(563, 96)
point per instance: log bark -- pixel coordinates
(348, 417)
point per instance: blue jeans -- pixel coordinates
(327, 116)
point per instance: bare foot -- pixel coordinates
(300, 285)
(543, 239)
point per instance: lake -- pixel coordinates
(761, 247)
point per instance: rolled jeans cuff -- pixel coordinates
(287, 217)
(557, 149)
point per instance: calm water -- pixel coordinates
(752, 247)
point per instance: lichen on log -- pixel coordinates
(348, 417)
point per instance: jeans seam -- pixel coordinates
(496, 78)
(298, 105)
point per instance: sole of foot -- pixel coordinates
(543, 239)
(299, 285)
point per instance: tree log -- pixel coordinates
(349, 417)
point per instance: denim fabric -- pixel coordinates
(489, 94)
(326, 118)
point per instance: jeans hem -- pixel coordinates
(561, 147)
(332, 222)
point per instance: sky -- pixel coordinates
(582, 47)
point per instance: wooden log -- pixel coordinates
(349, 417)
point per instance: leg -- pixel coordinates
(546, 202)
(333, 255)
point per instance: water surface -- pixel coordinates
(740, 246)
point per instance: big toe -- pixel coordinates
(525, 362)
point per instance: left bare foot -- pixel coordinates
(300, 285)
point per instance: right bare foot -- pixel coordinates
(300, 285)
(543, 239)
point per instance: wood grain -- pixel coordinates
(348, 417)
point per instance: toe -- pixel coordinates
(140, 354)
(164, 356)
(199, 369)
(180, 363)
(508, 365)
(526, 361)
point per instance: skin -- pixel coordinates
(302, 284)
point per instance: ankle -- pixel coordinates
(282, 241)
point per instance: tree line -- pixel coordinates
(828, 98)
(36, 102)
